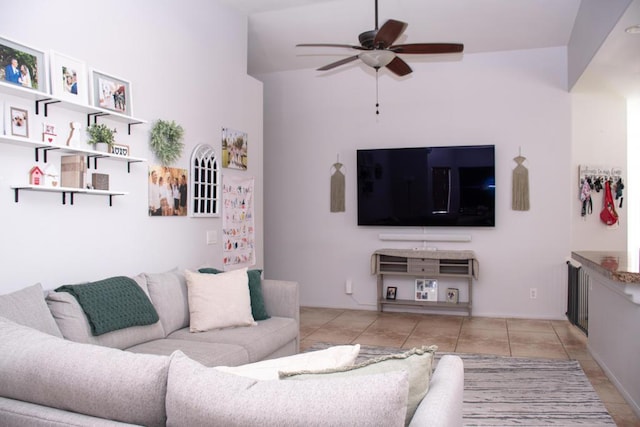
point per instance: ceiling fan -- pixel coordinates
(379, 51)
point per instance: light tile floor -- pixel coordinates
(504, 337)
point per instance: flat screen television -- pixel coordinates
(427, 186)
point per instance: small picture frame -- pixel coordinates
(19, 122)
(452, 295)
(391, 292)
(119, 150)
(68, 78)
(426, 290)
(111, 93)
(22, 66)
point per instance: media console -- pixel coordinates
(425, 264)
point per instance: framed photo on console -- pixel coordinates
(110, 93)
(68, 78)
(391, 292)
(426, 290)
(452, 295)
(22, 66)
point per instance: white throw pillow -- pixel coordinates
(331, 358)
(218, 300)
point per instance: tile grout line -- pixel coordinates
(561, 342)
(506, 325)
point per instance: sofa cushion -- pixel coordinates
(218, 300)
(258, 309)
(114, 303)
(260, 341)
(206, 353)
(197, 395)
(92, 380)
(28, 307)
(168, 292)
(418, 362)
(330, 358)
(74, 325)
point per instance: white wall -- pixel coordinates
(179, 70)
(599, 122)
(633, 174)
(515, 100)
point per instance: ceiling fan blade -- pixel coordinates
(399, 67)
(428, 48)
(338, 63)
(388, 33)
(330, 45)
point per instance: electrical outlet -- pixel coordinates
(533, 293)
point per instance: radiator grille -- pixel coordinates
(578, 297)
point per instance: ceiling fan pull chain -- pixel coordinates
(377, 104)
(376, 7)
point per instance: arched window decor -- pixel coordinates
(205, 182)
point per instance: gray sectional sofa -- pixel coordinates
(274, 337)
(56, 373)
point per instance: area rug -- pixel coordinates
(511, 391)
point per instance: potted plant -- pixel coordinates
(101, 137)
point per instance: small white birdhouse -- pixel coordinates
(51, 175)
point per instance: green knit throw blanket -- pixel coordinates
(113, 303)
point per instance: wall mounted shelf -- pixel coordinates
(44, 100)
(43, 148)
(66, 191)
(42, 103)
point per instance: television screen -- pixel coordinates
(427, 186)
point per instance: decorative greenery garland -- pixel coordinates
(166, 141)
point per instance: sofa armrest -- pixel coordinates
(442, 406)
(281, 298)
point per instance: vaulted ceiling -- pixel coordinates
(276, 26)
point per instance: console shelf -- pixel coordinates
(426, 264)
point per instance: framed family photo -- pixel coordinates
(391, 292)
(168, 188)
(111, 93)
(68, 78)
(234, 149)
(22, 66)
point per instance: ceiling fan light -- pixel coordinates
(377, 58)
(634, 29)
